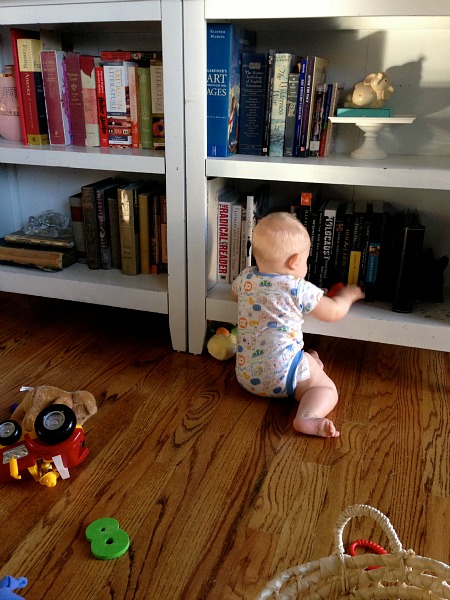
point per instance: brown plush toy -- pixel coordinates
(36, 399)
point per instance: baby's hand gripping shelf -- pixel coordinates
(44, 437)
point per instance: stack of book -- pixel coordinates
(370, 244)
(113, 100)
(122, 225)
(37, 251)
(266, 103)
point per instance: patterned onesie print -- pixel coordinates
(270, 338)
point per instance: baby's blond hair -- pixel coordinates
(277, 236)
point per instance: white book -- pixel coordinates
(218, 189)
(250, 225)
(235, 250)
(224, 226)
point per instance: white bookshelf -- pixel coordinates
(37, 179)
(407, 38)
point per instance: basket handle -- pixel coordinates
(364, 510)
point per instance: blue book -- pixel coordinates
(225, 42)
(253, 98)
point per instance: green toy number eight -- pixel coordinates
(107, 539)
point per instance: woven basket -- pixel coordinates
(401, 575)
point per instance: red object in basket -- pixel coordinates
(376, 549)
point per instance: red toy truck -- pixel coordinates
(56, 445)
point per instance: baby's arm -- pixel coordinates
(234, 296)
(335, 308)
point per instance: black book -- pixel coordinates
(408, 270)
(373, 251)
(338, 245)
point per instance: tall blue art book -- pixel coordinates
(225, 42)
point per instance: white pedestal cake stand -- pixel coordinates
(371, 126)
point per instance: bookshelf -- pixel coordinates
(408, 39)
(34, 179)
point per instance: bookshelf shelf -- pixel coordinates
(108, 159)
(358, 37)
(81, 284)
(427, 172)
(35, 179)
(427, 327)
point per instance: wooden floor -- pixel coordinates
(213, 486)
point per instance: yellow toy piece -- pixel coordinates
(222, 345)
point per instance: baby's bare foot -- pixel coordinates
(316, 426)
(315, 356)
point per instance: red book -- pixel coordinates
(101, 106)
(75, 95)
(56, 101)
(26, 47)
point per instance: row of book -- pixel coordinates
(119, 224)
(266, 103)
(115, 99)
(115, 224)
(370, 244)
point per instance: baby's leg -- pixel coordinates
(317, 396)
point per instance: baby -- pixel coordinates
(273, 297)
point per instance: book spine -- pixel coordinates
(325, 121)
(374, 250)
(225, 42)
(117, 104)
(157, 101)
(76, 214)
(356, 245)
(129, 231)
(251, 109)
(114, 230)
(146, 107)
(243, 247)
(235, 248)
(365, 246)
(346, 247)
(268, 101)
(55, 90)
(291, 111)
(250, 224)
(335, 274)
(163, 227)
(300, 104)
(316, 128)
(407, 273)
(279, 103)
(48, 260)
(75, 95)
(15, 35)
(33, 96)
(307, 106)
(145, 205)
(135, 105)
(327, 245)
(103, 230)
(156, 236)
(224, 241)
(88, 202)
(101, 106)
(90, 109)
(331, 127)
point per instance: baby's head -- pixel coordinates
(279, 238)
